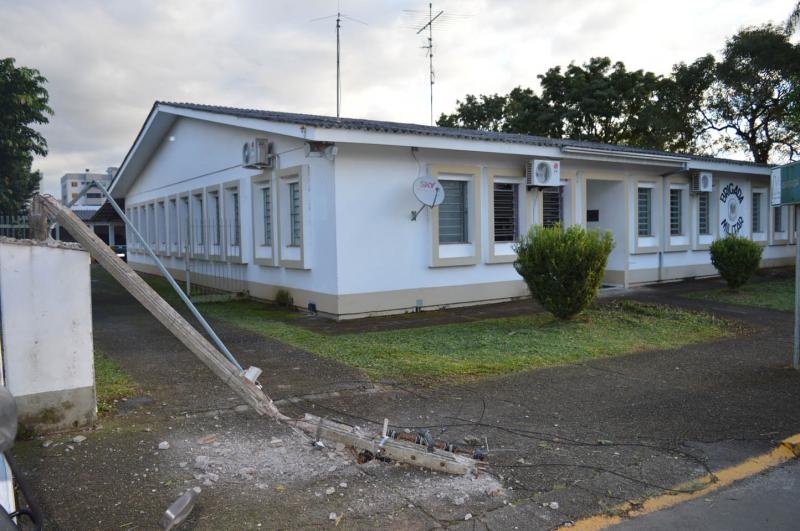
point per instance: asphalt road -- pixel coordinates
(765, 501)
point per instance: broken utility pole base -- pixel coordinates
(243, 383)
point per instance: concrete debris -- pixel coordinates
(78, 439)
(553, 505)
(275, 442)
(242, 408)
(330, 490)
(208, 439)
(183, 464)
(339, 447)
(343, 484)
(468, 516)
(201, 462)
(163, 445)
(332, 516)
(461, 500)
(47, 444)
(247, 472)
(472, 440)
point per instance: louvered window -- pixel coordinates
(551, 206)
(703, 225)
(453, 212)
(266, 197)
(675, 212)
(757, 212)
(294, 214)
(505, 212)
(645, 211)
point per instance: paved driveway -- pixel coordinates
(565, 442)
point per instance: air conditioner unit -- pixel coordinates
(702, 182)
(257, 154)
(543, 173)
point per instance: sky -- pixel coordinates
(107, 61)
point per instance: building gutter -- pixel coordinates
(676, 160)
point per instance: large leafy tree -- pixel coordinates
(23, 104)
(750, 102)
(598, 101)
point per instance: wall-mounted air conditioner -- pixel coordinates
(702, 182)
(257, 154)
(543, 173)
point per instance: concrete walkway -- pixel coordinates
(766, 501)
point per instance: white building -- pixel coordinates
(330, 220)
(73, 183)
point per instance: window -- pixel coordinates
(172, 215)
(266, 198)
(236, 233)
(505, 212)
(151, 224)
(94, 196)
(757, 212)
(778, 219)
(161, 224)
(675, 212)
(215, 218)
(198, 231)
(296, 235)
(645, 211)
(453, 213)
(74, 184)
(185, 225)
(551, 205)
(703, 206)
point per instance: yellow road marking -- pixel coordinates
(788, 449)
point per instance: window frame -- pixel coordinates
(214, 221)
(502, 252)
(232, 218)
(263, 255)
(780, 237)
(762, 236)
(676, 193)
(197, 219)
(446, 255)
(293, 256)
(651, 243)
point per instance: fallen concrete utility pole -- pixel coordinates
(161, 310)
(385, 447)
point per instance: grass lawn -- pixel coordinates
(465, 351)
(111, 383)
(776, 294)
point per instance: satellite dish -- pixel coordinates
(429, 191)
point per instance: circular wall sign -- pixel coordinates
(731, 202)
(428, 191)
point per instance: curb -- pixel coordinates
(787, 450)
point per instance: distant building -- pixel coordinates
(73, 183)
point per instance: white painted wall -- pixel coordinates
(199, 148)
(45, 299)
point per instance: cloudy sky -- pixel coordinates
(108, 61)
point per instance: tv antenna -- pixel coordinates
(428, 18)
(339, 17)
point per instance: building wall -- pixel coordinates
(363, 255)
(47, 352)
(190, 163)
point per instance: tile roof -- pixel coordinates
(331, 122)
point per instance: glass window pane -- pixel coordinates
(675, 212)
(757, 212)
(505, 212)
(294, 214)
(644, 214)
(266, 197)
(453, 219)
(703, 207)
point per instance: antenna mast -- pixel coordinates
(429, 47)
(339, 16)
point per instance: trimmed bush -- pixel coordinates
(563, 268)
(736, 258)
(284, 298)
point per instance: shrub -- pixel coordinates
(563, 268)
(284, 298)
(736, 258)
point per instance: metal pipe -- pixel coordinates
(210, 331)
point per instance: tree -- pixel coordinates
(23, 103)
(598, 101)
(794, 20)
(751, 98)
